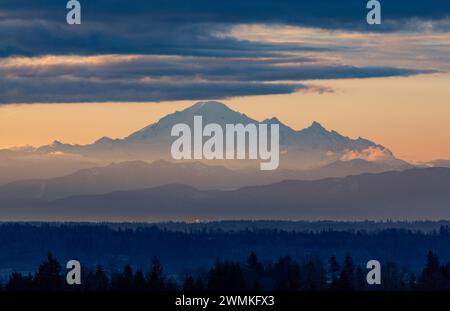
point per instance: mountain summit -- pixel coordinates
(317, 127)
(212, 112)
(311, 147)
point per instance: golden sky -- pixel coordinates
(409, 115)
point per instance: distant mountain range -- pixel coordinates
(315, 151)
(309, 148)
(139, 175)
(412, 194)
(322, 175)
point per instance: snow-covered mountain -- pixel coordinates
(309, 148)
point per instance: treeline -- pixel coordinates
(285, 274)
(299, 226)
(22, 245)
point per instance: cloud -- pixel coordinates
(179, 27)
(68, 90)
(326, 14)
(174, 49)
(369, 154)
(107, 78)
(281, 68)
(44, 37)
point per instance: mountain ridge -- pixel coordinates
(307, 148)
(139, 174)
(414, 194)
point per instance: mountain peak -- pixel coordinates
(104, 140)
(209, 105)
(273, 120)
(213, 112)
(212, 109)
(56, 144)
(316, 125)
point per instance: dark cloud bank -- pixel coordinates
(209, 66)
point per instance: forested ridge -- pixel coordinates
(194, 258)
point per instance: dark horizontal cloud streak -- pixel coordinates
(180, 49)
(53, 90)
(157, 78)
(200, 68)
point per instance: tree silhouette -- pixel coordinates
(18, 282)
(312, 275)
(346, 279)
(393, 278)
(254, 271)
(96, 280)
(431, 275)
(360, 279)
(446, 276)
(49, 277)
(139, 282)
(89, 280)
(287, 274)
(155, 278)
(226, 276)
(123, 281)
(333, 270)
(101, 279)
(252, 262)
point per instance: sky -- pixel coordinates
(131, 62)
